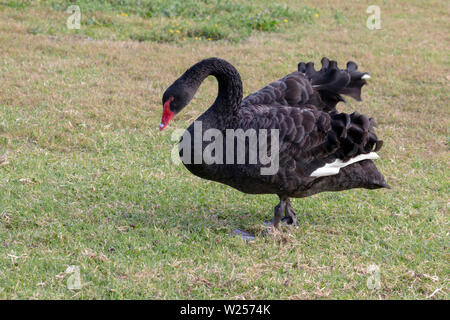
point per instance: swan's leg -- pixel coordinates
(278, 212)
(289, 214)
(284, 206)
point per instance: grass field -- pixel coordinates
(86, 178)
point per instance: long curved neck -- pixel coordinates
(229, 96)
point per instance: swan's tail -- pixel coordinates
(355, 133)
(330, 81)
(350, 135)
(351, 140)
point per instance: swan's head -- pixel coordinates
(176, 97)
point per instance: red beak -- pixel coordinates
(167, 114)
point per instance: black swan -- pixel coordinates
(318, 150)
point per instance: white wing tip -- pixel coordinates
(322, 172)
(333, 168)
(366, 76)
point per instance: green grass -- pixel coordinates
(86, 177)
(167, 21)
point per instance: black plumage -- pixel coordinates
(312, 133)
